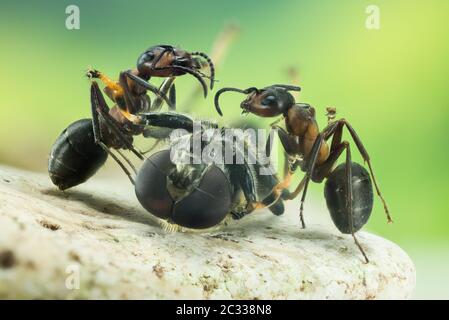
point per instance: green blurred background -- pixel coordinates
(391, 84)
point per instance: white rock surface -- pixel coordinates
(99, 234)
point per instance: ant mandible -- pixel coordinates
(348, 188)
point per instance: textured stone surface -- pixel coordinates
(122, 252)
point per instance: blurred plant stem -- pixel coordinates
(220, 49)
(293, 78)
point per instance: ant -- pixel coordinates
(201, 194)
(83, 147)
(129, 93)
(191, 195)
(348, 188)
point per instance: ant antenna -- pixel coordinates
(211, 66)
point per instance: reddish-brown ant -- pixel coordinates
(348, 188)
(83, 147)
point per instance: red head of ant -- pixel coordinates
(273, 101)
(270, 101)
(169, 61)
(309, 148)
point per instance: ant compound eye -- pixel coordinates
(144, 59)
(269, 101)
(148, 56)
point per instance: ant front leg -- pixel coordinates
(167, 86)
(148, 86)
(304, 184)
(161, 133)
(112, 88)
(99, 106)
(288, 145)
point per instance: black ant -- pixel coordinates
(192, 195)
(82, 148)
(348, 189)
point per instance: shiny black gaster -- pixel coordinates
(75, 156)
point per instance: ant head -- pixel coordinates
(158, 61)
(267, 102)
(168, 61)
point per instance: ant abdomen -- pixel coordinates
(362, 197)
(75, 156)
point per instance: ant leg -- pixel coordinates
(285, 139)
(100, 106)
(166, 120)
(116, 91)
(246, 182)
(312, 161)
(349, 197)
(148, 86)
(161, 133)
(269, 143)
(366, 157)
(326, 134)
(158, 133)
(127, 161)
(286, 142)
(167, 86)
(245, 175)
(324, 169)
(154, 146)
(283, 136)
(297, 191)
(130, 105)
(336, 149)
(303, 185)
(112, 86)
(105, 148)
(95, 106)
(172, 96)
